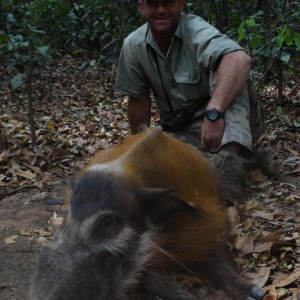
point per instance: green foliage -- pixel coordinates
(68, 25)
(268, 30)
(17, 81)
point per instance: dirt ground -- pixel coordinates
(20, 215)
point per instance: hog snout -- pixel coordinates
(70, 273)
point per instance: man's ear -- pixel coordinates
(181, 4)
(160, 205)
(141, 7)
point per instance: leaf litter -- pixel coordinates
(77, 113)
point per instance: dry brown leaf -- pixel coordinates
(277, 294)
(80, 141)
(261, 247)
(42, 232)
(11, 239)
(25, 232)
(296, 293)
(244, 243)
(285, 281)
(3, 180)
(252, 206)
(260, 278)
(258, 176)
(270, 297)
(272, 237)
(281, 292)
(297, 170)
(233, 216)
(26, 174)
(247, 225)
(263, 215)
(35, 169)
(13, 154)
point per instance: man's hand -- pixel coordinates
(211, 134)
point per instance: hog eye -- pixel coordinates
(107, 226)
(107, 222)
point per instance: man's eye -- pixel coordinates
(169, 2)
(166, 3)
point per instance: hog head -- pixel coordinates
(108, 241)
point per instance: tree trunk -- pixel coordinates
(2, 20)
(29, 93)
(3, 142)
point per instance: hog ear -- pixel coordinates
(160, 205)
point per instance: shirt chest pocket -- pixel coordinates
(191, 85)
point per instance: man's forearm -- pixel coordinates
(139, 112)
(232, 74)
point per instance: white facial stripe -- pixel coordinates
(114, 166)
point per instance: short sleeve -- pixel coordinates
(131, 79)
(208, 43)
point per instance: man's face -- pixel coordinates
(162, 15)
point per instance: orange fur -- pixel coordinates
(155, 159)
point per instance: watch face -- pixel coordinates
(212, 115)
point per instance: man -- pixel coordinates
(192, 69)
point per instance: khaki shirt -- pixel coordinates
(194, 53)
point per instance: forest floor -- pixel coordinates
(76, 114)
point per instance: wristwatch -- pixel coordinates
(213, 114)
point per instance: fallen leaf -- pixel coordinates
(260, 278)
(244, 244)
(270, 297)
(41, 240)
(288, 148)
(233, 216)
(272, 237)
(11, 239)
(258, 176)
(263, 215)
(26, 174)
(252, 206)
(247, 225)
(80, 141)
(58, 222)
(297, 170)
(35, 169)
(285, 281)
(261, 247)
(51, 126)
(296, 293)
(25, 232)
(42, 232)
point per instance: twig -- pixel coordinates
(19, 189)
(29, 93)
(274, 10)
(246, 28)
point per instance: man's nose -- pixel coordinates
(160, 7)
